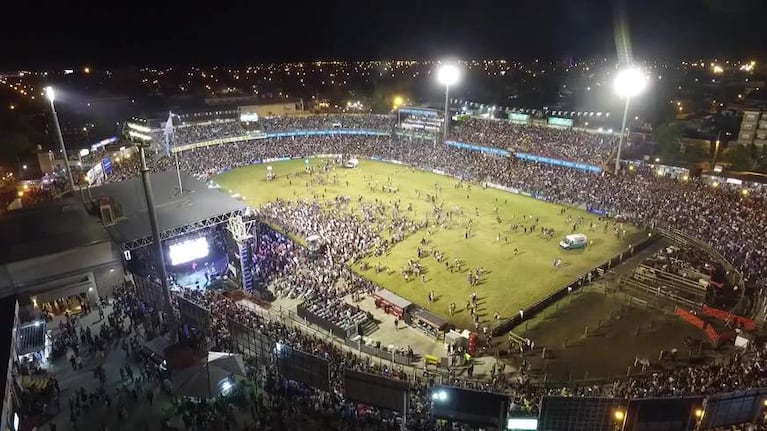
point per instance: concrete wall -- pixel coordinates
(95, 269)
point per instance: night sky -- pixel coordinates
(107, 32)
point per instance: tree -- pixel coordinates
(761, 161)
(739, 157)
(668, 140)
(697, 152)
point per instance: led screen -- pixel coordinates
(188, 251)
(522, 424)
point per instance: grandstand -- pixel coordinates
(419, 122)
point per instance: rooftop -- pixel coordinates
(48, 229)
(174, 210)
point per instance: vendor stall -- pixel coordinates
(428, 322)
(392, 304)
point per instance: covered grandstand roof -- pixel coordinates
(196, 206)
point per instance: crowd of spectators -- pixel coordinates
(184, 134)
(564, 144)
(740, 371)
(731, 222)
(377, 122)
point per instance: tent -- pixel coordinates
(209, 378)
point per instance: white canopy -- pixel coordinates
(205, 379)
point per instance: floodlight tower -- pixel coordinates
(138, 133)
(50, 94)
(448, 74)
(629, 82)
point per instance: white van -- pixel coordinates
(576, 240)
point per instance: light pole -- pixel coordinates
(51, 95)
(448, 74)
(628, 83)
(397, 104)
(139, 134)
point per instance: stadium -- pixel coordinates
(505, 264)
(393, 271)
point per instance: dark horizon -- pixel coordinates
(239, 33)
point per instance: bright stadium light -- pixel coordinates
(619, 415)
(51, 95)
(440, 395)
(448, 74)
(629, 83)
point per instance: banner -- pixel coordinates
(422, 112)
(327, 132)
(503, 188)
(518, 118)
(557, 162)
(560, 122)
(481, 149)
(106, 163)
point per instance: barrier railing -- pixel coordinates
(713, 335)
(726, 316)
(690, 318)
(676, 234)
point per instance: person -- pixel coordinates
(396, 323)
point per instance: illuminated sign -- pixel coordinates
(249, 117)
(516, 117)
(560, 122)
(107, 165)
(522, 424)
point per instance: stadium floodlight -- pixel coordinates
(139, 136)
(448, 74)
(51, 95)
(138, 133)
(629, 82)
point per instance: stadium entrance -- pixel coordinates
(74, 304)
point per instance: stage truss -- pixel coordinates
(182, 230)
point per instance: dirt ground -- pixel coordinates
(620, 329)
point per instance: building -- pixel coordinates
(753, 128)
(9, 320)
(273, 108)
(56, 251)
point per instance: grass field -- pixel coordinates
(510, 282)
